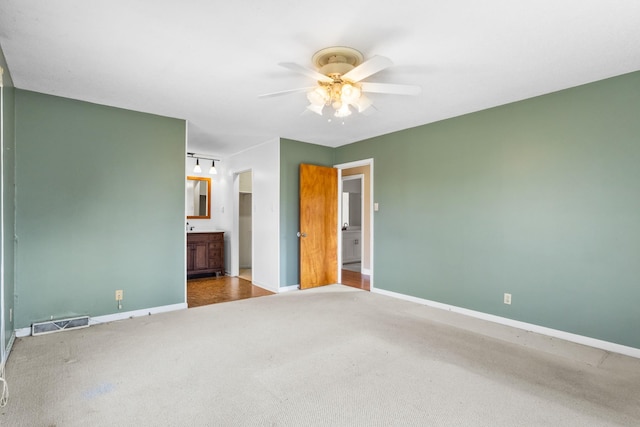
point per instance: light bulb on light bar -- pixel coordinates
(197, 168)
(213, 170)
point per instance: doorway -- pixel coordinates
(356, 211)
(245, 229)
(351, 220)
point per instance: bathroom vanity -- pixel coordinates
(351, 247)
(205, 253)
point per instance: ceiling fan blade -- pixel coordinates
(286, 92)
(367, 68)
(369, 111)
(390, 88)
(306, 71)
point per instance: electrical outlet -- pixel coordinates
(10, 314)
(507, 299)
(119, 295)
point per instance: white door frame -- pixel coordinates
(349, 165)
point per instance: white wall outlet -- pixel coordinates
(376, 207)
(119, 295)
(507, 298)
(10, 314)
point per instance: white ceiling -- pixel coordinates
(206, 61)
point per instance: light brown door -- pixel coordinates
(318, 226)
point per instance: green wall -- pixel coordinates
(100, 207)
(8, 199)
(292, 153)
(539, 198)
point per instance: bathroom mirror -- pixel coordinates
(198, 197)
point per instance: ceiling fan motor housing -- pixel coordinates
(336, 69)
(336, 61)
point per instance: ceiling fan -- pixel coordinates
(340, 74)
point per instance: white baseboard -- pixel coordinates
(288, 288)
(567, 336)
(25, 332)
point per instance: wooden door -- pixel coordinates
(318, 226)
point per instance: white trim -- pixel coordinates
(288, 288)
(567, 336)
(366, 271)
(354, 164)
(136, 313)
(25, 332)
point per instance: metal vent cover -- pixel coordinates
(59, 325)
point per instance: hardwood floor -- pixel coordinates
(356, 280)
(245, 273)
(211, 290)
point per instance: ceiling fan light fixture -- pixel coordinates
(340, 73)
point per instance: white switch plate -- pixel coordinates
(507, 299)
(375, 207)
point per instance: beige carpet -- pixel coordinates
(332, 356)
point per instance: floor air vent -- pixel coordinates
(59, 325)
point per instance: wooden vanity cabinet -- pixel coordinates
(205, 253)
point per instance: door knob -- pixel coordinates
(302, 234)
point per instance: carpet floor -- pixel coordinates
(333, 356)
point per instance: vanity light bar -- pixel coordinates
(198, 169)
(202, 156)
